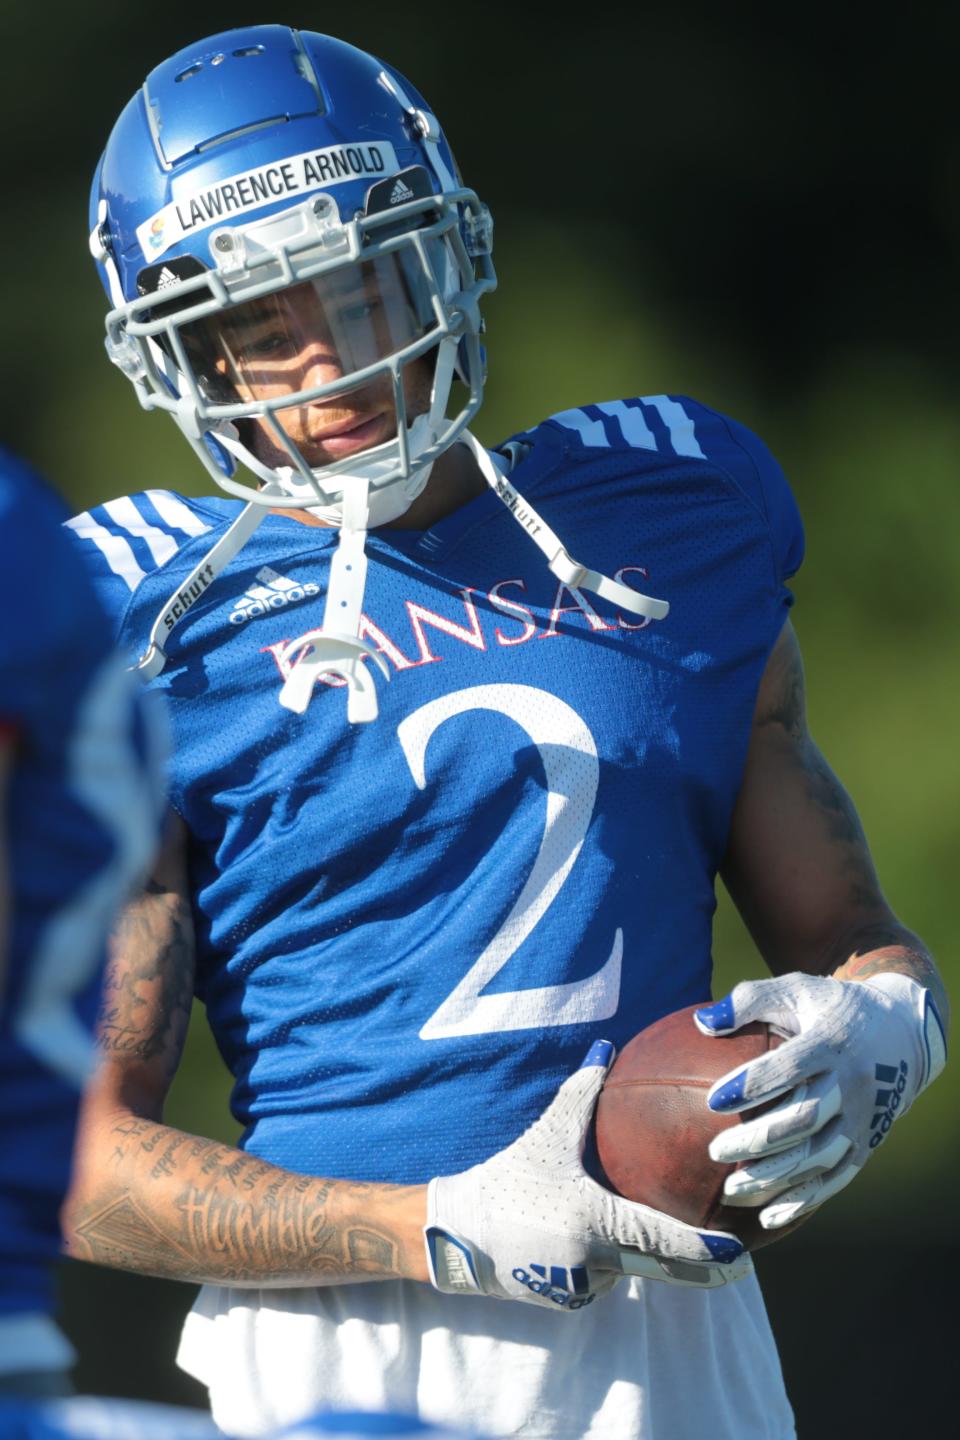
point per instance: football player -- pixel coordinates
(81, 800)
(423, 858)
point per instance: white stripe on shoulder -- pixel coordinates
(683, 436)
(174, 512)
(591, 432)
(117, 552)
(635, 429)
(161, 545)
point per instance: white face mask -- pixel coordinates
(308, 324)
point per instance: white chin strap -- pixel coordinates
(566, 569)
(335, 648)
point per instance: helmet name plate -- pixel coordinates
(263, 185)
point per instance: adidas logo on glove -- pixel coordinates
(888, 1099)
(558, 1288)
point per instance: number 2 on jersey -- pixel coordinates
(572, 770)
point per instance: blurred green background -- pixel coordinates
(753, 204)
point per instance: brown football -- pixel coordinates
(653, 1124)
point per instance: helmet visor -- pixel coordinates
(317, 332)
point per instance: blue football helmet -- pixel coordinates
(272, 193)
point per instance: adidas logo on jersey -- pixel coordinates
(399, 193)
(889, 1099)
(571, 1289)
(273, 593)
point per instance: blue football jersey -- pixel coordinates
(80, 820)
(410, 931)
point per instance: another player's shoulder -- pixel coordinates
(123, 541)
(40, 576)
(30, 509)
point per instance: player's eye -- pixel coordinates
(269, 345)
(358, 310)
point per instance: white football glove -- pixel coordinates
(530, 1224)
(859, 1053)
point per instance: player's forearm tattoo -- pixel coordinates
(874, 941)
(879, 942)
(785, 708)
(843, 827)
(884, 949)
(224, 1216)
(148, 988)
(787, 705)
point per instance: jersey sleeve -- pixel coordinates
(674, 429)
(753, 469)
(760, 472)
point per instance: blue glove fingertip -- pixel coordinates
(716, 1017)
(729, 1094)
(600, 1053)
(722, 1247)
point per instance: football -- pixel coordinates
(653, 1125)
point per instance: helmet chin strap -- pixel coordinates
(334, 648)
(202, 575)
(385, 502)
(566, 569)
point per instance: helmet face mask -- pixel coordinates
(312, 341)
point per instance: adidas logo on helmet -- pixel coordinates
(400, 192)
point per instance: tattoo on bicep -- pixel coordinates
(833, 803)
(783, 701)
